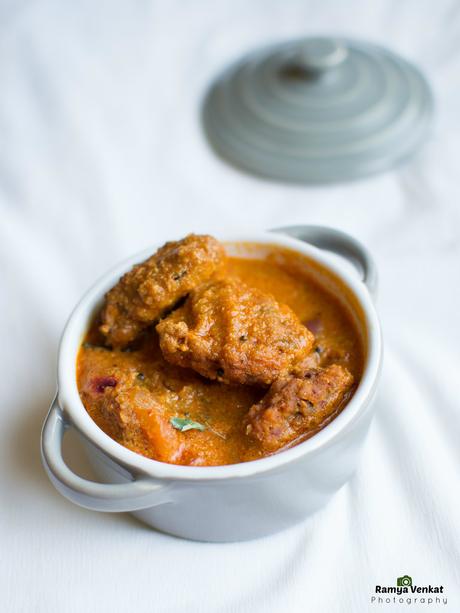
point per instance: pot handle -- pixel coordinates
(137, 494)
(340, 243)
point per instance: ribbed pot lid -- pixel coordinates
(318, 110)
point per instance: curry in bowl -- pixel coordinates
(202, 358)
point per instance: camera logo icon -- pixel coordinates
(404, 581)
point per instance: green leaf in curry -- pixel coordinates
(185, 423)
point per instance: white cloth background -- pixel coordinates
(101, 155)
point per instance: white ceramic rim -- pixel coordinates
(76, 414)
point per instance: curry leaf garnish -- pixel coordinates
(185, 423)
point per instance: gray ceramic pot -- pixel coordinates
(222, 503)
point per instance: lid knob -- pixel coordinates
(317, 55)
